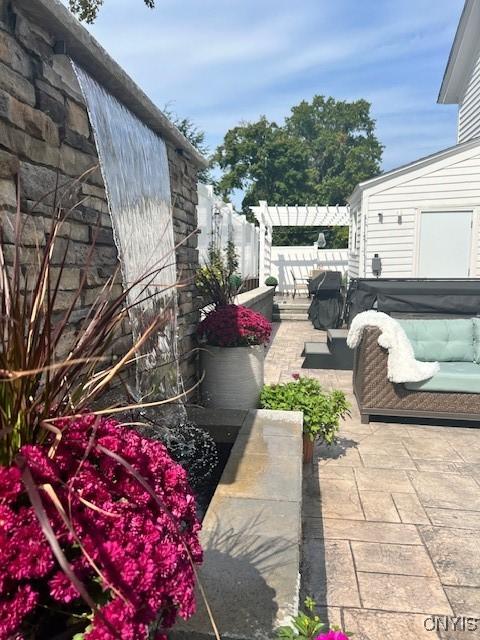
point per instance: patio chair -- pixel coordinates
(299, 283)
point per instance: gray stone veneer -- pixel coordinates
(45, 131)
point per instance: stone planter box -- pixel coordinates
(233, 376)
(252, 531)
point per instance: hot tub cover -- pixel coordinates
(415, 296)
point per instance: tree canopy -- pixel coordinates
(87, 10)
(336, 237)
(195, 136)
(317, 156)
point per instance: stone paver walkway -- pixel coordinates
(391, 518)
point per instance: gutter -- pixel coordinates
(80, 45)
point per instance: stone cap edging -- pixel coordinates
(252, 533)
(249, 297)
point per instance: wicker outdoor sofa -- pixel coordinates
(377, 396)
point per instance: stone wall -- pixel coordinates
(45, 136)
(259, 299)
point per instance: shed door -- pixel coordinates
(445, 244)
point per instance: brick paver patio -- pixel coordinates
(391, 517)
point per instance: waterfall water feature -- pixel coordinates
(134, 165)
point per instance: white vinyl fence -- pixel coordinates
(218, 222)
(302, 260)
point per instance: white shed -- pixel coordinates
(422, 219)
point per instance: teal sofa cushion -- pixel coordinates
(455, 377)
(441, 340)
(476, 339)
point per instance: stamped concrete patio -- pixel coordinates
(391, 517)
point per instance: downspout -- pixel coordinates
(363, 237)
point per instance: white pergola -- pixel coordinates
(269, 216)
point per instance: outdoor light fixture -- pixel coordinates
(399, 219)
(376, 265)
(321, 242)
(60, 47)
(380, 217)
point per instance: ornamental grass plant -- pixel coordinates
(38, 385)
(218, 280)
(98, 532)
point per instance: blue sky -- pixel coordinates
(223, 61)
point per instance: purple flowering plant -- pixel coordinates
(234, 326)
(130, 545)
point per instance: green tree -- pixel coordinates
(342, 146)
(336, 237)
(195, 136)
(265, 161)
(87, 10)
(322, 150)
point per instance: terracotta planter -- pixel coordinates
(308, 446)
(233, 376)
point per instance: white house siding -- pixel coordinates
(455, 185)
(469, 111)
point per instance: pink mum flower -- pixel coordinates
(332, 635)
(234, 326)
(10, 484)
(143, 547)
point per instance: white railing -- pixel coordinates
(303, 260)
(218, 222)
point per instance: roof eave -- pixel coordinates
(463, 55)
(55, 18)
(412, 166)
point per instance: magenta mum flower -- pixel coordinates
(332, 635)
(235, 326)
(141, 548)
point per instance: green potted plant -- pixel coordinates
(322, 410)
(271, 281)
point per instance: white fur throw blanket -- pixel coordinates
(402, 365)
